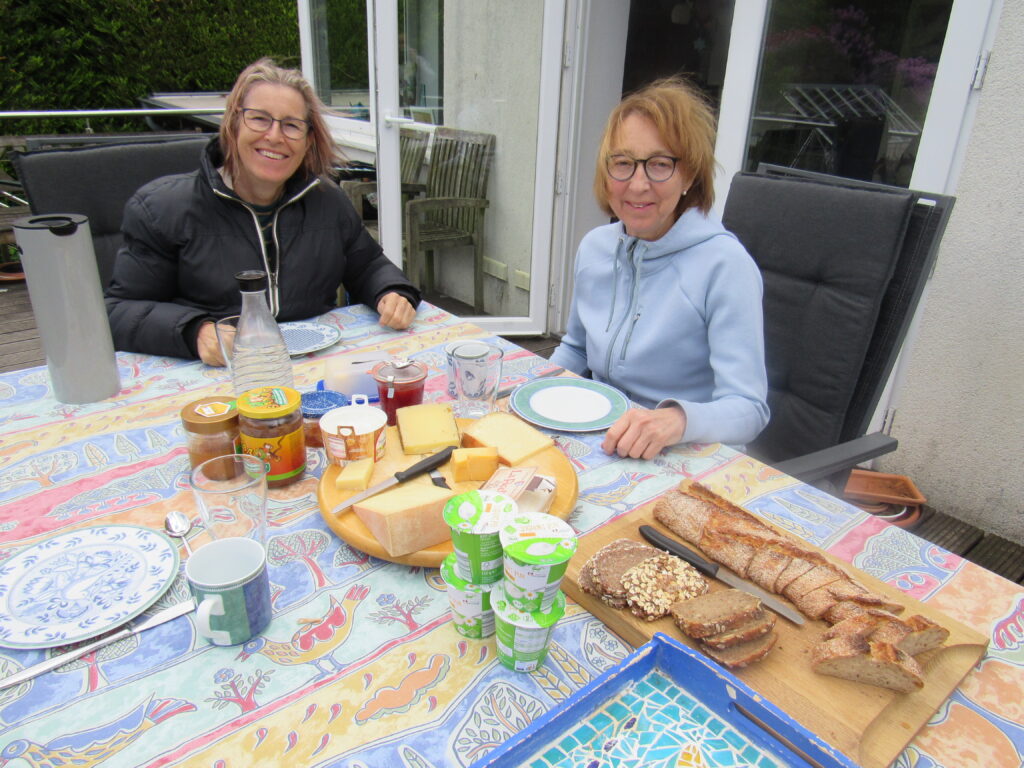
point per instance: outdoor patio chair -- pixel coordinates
(844, 264)
(97, 181)
(412, 152)
(451, 213)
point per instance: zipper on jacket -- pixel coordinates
(633, 304)
(273, 296)
(630, 249)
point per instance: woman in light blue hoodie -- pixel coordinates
(667, 304)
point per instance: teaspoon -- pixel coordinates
(177, 524)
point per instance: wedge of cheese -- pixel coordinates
(474, 463)
(514, 438)
(427, 428)
(355, 476)
(407, 518)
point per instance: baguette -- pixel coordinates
(864, 661)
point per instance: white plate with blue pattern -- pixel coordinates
(307, 336)
(569, 404)
(82, 583)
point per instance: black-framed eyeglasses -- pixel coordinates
(657, 167)
(261, 122)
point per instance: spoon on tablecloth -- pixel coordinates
(177, 524)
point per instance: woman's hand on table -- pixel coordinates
(641, 433)
(207, 346)
(395, 311)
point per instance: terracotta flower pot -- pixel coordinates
(11, 272)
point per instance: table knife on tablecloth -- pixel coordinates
(424, 465)
(715, 571)
(158, 618)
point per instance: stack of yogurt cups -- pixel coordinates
(504, 574)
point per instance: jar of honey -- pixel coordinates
(314, 405)
(211, 428)
(270, 425)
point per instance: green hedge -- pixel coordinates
(105, 54)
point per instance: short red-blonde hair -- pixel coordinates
(321, 152)
(686, 123)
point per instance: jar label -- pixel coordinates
(212, 409)
(285, 455)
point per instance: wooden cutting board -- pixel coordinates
(870, 725)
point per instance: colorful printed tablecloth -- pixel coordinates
(361, 665)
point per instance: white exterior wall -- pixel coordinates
(960, 416)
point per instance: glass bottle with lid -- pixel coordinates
(399, 383)
(260, 357)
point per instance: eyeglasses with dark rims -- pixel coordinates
(261, 122)
(658, 168)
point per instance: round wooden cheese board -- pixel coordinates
(350, 529)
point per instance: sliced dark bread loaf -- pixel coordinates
(612, 562)
(653, 586)
(755, 627)
(864, 661)
(715, 612)
(742, 654)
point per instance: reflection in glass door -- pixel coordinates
(844, 88)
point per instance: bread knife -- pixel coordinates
(423, 465)
(715, 571)
(167, 614)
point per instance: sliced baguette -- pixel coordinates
(863, 661)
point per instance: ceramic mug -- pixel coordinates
(353, 432)
(229, 580)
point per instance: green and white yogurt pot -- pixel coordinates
(537, 549)
(470, 603)
(523, 636)
(475, 519)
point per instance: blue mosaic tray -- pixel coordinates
(665, 706)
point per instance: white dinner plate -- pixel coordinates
(569, 405)
(82, 583)
(306, 336)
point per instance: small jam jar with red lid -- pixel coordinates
(399, 383)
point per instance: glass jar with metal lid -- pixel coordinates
(399, 383)
(270, 424)
(211, 428)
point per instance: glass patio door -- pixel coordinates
(478, 79)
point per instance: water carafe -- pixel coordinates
(259, 357)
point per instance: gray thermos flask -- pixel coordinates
(64, 286)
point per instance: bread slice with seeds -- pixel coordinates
(655, 584)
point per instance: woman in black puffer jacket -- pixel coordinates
(260, 200)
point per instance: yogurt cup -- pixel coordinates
(475, 519)
(523, 636)
(470, 603)
(354, 432)
(537, 548)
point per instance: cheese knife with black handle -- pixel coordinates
(715, 571)
(423, 465)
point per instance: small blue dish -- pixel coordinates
(316, 404)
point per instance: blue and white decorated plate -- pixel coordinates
(82, 583)
(307, 336)
(568, 404)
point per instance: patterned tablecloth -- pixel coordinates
(361, 665)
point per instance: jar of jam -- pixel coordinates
(315, 405)
(211, 429)
(399, 383)
(270, 425)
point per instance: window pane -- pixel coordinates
(844, 87)
(343, 75)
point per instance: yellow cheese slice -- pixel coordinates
(355, 476)
(407, 518)
(514, 438)
(427, 428)
(474, 463)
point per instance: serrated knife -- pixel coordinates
(158, 618)
(715, 571)
(423, 465)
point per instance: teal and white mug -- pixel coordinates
(229, 580)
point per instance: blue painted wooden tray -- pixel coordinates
(665, 706)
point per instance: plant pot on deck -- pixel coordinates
(11, 272)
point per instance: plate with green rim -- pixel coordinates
(568, 404)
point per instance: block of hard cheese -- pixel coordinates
(514, 438)
(355, 476)
(474, 463)
(407, 518)
(427, 428)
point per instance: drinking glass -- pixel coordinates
(477, 375)
(231, 495)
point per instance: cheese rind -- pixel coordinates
(514, 438)
(407, 518)
(427, 428)
(355, 476)
(474, 463)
